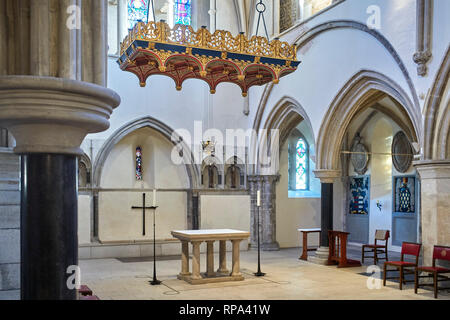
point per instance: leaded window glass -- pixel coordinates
(137, 11)
(182, 12)
(138, 163)
(301, 165)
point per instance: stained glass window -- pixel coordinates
(182, 12)
(301, 165)
(137, 11)
(359, 195)
(404, 194)
(138, 163)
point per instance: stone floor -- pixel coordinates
(287, 278)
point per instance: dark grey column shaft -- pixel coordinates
(49, 233)
(326, 208)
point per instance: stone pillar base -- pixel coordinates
(321, 256)
(274, 246)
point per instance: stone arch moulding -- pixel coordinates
(284, 116)
(156, 125)
(353, 97)
(86, 161)
(437, 116)
(310, 34)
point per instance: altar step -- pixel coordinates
(130, 249)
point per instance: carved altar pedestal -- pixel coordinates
(196, 237)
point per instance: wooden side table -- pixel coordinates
(305, 233)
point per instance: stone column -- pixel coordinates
(236, 259)
(49, 117)
(435, 204)
(196, 260)
(327, 178)
(210, 259)
(267, 211)
(49, 111)
(254, 185)
(184, 259)
(222, 257)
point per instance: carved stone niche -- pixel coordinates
(359, 157)
(402, 154)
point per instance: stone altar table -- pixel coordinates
(196, 237)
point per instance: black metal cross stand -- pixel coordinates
(154, 281)
(259, 273)
(143, 212)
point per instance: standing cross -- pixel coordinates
(143, 212)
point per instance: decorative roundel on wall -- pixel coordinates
(359, 157)
(402, 154)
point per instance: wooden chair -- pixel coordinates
(380, 235)
(439, 253)
(84, 290)
(408, 248)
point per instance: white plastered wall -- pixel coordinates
(117, 221)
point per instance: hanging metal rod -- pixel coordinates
(261, 8)
(378, 153)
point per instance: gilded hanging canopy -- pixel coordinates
(181, 53)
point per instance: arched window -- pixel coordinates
(137, 11)
(182, 12)
(298, 162)
(301, 165)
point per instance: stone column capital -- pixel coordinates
(253, 178)
(433, 169)
(53, 115)
(327, 176)
(263, 178)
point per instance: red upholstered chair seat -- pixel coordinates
(408, 248)
(400, 263)
(439, 253)
(84, 290)
(434, 269)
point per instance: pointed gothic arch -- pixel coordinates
(312, 33)
(84, 171)
(437, 115)
(284, 116)
(361, 91)
(166, 131)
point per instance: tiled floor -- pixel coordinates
(287, 278)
